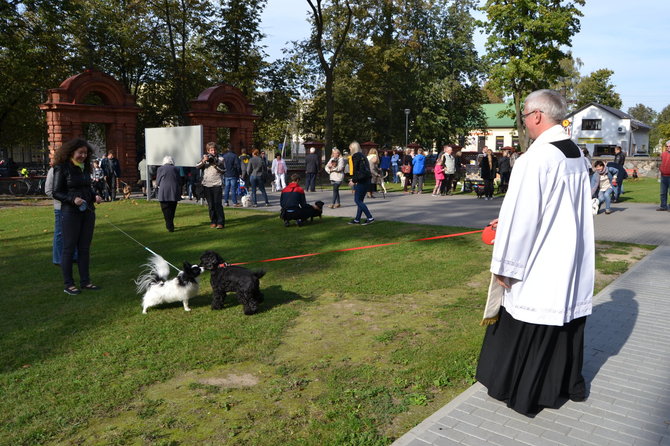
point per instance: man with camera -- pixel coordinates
(212, 169)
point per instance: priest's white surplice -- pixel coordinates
(544, 240)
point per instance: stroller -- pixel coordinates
(243, 194)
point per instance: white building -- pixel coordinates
(499, 131)
(600, 128)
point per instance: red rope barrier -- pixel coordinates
(357, 248)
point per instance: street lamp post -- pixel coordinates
(406, 125)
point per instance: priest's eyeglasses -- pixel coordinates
(525, 115)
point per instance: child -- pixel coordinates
(439, 176)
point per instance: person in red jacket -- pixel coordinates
(293, 203)
(665, 176)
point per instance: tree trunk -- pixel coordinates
(330, 114)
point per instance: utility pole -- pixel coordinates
(406, 126)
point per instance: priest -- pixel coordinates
(542, 269)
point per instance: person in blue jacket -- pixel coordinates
(418, 171)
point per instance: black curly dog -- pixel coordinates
(229, 278)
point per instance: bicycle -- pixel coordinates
(27, 186)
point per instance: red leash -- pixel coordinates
(223, 265)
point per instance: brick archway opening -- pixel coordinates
(239, 116)
(67, 114)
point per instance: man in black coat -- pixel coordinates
(112, 170)
(312, 168)
(620, 159)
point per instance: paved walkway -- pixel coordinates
(627, 344)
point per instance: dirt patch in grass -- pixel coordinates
(232, 381)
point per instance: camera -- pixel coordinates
(211, 159)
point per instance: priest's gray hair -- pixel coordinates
(550, 102)
(167, 159)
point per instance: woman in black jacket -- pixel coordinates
(489, 170)
(72, 187)
(360, 181)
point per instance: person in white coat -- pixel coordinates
(543, 266)
(335, 168)
(279, 170)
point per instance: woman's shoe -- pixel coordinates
(91, 287)
(72, 290)
(337, 205)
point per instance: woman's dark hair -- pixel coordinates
(64, 152)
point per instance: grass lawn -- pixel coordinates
(350, 348)
(642, 190)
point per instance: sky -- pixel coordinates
(631, 38)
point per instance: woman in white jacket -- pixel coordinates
(279, 171)
(335, 168)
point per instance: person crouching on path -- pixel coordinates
(293, 202)
(603, 182)
(543, 267)
(211, 183)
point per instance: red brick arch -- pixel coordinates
(239, 118)
(66, 114)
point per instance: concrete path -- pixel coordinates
(627, 344)
(629, 222)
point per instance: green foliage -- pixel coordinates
(660, 133)
(643, 113)
(567, 82)
(234, 41)
(525, 44)
(596, 87)
(418, 56)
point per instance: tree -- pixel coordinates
(568, 81)
(524, 45)
(330, 31)
(660, 131)
(235, 43)
(415, 55)
(596, 87)
(33, 57)
(643, 113)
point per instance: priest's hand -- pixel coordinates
(502, 280)
(494, 224)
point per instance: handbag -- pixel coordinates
(406, 168)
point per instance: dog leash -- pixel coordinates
(353, 249)
(131, 238)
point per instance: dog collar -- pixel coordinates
(224, 265)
